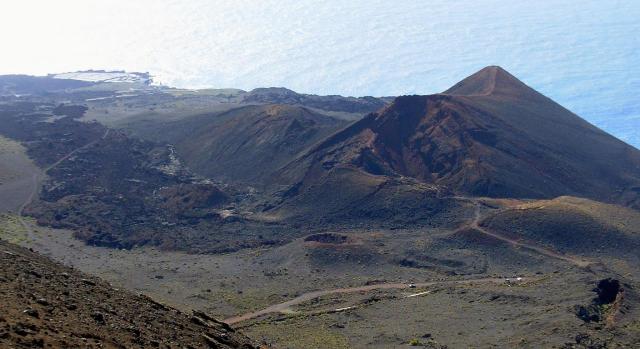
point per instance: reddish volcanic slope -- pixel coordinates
(489, 135)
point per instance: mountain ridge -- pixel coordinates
(489, 135)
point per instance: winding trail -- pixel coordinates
(62, 159)
(475, 224)
(285, 307)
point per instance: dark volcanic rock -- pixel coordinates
(73, 111)
(608, 291)
(609, 300)
(328, 238)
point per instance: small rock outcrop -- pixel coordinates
(604, 307)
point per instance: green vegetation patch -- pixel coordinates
(11, 229)
(9, 146)
(298, 333)
(248, 300)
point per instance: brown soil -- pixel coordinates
(43, 304)
(490, 135)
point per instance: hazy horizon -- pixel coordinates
(584, 56)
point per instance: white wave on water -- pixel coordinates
(583, 54)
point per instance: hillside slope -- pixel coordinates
(489, 135)
(280, 95)
(44, 304)
(248, 143)
(572, 225)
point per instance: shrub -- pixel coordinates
(415, 342)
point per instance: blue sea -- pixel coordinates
(583, 54)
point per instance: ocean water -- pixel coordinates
(583, 54)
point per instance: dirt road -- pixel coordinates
(285, 307)
(475, 224)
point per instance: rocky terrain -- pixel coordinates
(483, 216)
(46, 305)
(118, 191)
